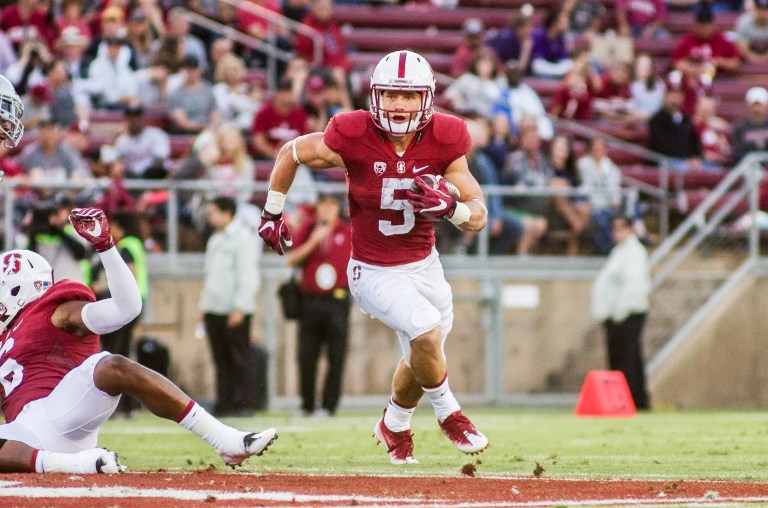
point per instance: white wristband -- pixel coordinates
(275, 202)
(461, 214)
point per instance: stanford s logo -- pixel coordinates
(12, 263)
(379, 168)
(401, 167)
(356, 273)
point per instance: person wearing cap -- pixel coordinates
(472, 44)
(705, 51)
(315, 102)
(750, 133)
(322, 247)
(71, 46)
(192, 107)
(112, 20)
(752, 33)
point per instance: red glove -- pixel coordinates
(274, 231)
(92, 224)
(434, 202)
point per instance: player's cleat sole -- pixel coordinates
(255, 443)
(464, 436)
(399, 444)
(108, 463)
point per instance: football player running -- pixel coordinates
(56, 387)
(394, 272)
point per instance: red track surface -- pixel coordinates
(163, 489)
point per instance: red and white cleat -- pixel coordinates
(399, 444)
(463, 434)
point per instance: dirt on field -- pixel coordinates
(207, 488)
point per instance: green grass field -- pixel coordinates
(664, 445)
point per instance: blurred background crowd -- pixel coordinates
(162, 90)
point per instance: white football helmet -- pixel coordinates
(11, 110)
(24, 277)
(404, 71)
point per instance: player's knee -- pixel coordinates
(112, 373)
(426, 345)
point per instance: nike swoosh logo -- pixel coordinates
(442, 206)
(419, 170)
(17, 325)
(96, 229)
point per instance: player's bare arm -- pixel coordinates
(471, 194)
(309, 150)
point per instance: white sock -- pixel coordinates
(53, 462)
(220, 436)
(398, 418)
(442, 400)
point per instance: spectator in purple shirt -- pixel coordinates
(514, 41)
(550, 53)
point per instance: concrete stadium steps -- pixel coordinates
(671, 306)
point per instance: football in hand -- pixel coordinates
(433, 181)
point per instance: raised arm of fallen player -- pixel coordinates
(105, 316)
(471, 195)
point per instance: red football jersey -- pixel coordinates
(385, 229)
(35, 355)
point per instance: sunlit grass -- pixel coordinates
(680, 445)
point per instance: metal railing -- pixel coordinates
(740, 185)
(269, 46)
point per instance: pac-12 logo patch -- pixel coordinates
(379, 167)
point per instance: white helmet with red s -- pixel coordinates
(11, 109)
(403, 71)
(24, 277)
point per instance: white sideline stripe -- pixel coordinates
(195, 495)
(7, 490)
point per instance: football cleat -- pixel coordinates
(255, 443)
(399, 444)
(463, 434)
(108, 463)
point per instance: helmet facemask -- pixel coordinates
(402, 71)
(11, 111)
(417, 120)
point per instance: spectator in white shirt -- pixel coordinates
(112, 80)
(144, 150)
(519, 100)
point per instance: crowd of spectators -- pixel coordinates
(171, 83)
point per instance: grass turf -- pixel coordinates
(658, 445)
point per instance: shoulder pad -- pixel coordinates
(352, 124)
(449, 129)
